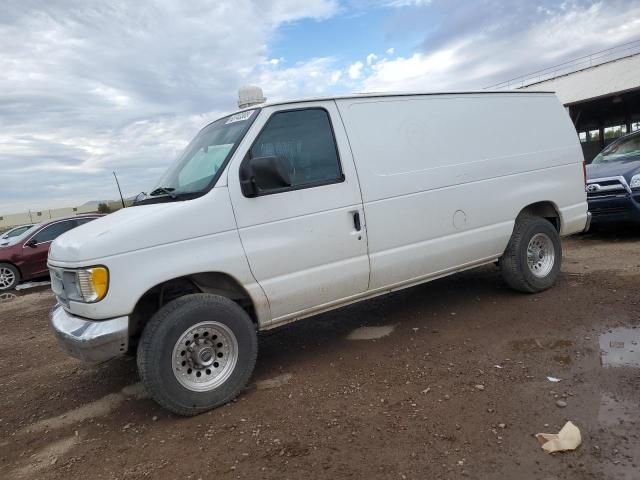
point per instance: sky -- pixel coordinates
(90, 87)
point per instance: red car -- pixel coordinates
(25, 257)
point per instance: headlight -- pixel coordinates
(635, 181)
(92, 283)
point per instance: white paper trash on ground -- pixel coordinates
(568, 438)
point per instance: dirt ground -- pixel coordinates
(453, 385)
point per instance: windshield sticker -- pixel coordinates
(240, 117)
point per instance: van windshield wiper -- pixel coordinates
(165, 191)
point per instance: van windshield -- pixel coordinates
(627, 148)
(201, 161)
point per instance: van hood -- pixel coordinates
(626, 168)
(141, 227)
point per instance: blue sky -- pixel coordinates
(348, 36)
(90, 87)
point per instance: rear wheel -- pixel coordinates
(531, 262)
(196, 353)
(9, 276)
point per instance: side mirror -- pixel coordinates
(261, 174)
(31, 243)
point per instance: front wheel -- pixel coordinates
(531, 262)
(197, 353)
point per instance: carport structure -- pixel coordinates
(601, 92)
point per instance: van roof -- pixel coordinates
(397, 94)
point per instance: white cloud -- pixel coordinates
(483, 52)
(355, 70)
(407, 3)
(88, 87)
(282, 11)
(114, 96)
(315, 77)
(565, 34)
(413, 73)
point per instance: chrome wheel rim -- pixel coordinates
(7, 278)
(205, 356)
(541, 255)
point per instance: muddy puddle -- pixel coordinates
(527, 345)
(8, 296)
(620, 347)
(371, 333)
(23, 290)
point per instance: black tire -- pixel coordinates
(513, 263)
(167, 326)
(4, 286)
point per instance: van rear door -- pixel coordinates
(305, 239)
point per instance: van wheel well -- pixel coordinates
(546, 210)
(207, 282)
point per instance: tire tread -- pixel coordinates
(512, 266)
(149, 337)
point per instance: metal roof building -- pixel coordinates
(601, 92)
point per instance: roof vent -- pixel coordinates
(250, 95)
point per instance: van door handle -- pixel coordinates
(356, 221)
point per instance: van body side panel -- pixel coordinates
(302, 245)
(573, 212)
(444, 177)
(572, 218)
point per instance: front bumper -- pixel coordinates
(621, 208)
(587, 226)
(89, 340)
(612, 200)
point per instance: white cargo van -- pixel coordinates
(286, 210)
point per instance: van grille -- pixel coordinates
(607, 211)
(64, 285)
(57, 285)
(605, 188)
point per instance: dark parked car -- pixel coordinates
(613, 182)
(25, 257)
